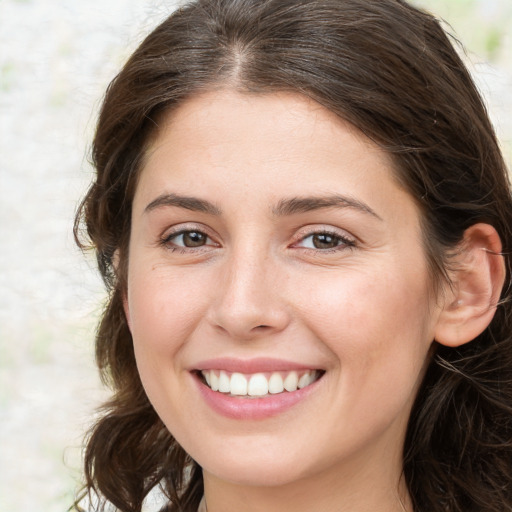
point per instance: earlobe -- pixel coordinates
(477, 281)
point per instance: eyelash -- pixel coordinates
(167, 240)
(343, 242)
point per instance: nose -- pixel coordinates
(248, 302)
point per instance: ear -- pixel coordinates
(115, 264)
(477, 281)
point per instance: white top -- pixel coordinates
(202, 506)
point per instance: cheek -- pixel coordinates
(164, 309)
(378, 330)
(378, 324)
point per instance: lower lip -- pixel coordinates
(253, 408)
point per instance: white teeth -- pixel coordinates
(224, 382)
(258, 384)
(275, 384)
(214, 384)
(291, 381)
(305, 380)
(238, 384)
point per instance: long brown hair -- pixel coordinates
(390, 70)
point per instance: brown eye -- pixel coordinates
(188, 239)
(325, 241)
(194, 239)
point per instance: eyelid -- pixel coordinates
(347, 240)
(312, 229)
(180, 229)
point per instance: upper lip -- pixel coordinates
(248, 366)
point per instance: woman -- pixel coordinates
(303, 217)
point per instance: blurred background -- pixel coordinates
(56, 59)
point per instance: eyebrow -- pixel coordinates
(189, 203)
(296, 205)
(285, 207)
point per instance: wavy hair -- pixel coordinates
(390, 70)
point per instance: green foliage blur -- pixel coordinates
(485, 26)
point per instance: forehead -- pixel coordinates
(286, 115)
(279, 143)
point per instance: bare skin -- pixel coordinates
(265, 228)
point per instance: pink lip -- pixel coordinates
(252, 408)
(257, 365)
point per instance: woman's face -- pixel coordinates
(271, 244)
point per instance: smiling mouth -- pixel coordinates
(258, 385)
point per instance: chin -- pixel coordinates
(272, 474)
(251, 463)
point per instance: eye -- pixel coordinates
(324, 241)
(188, 239)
